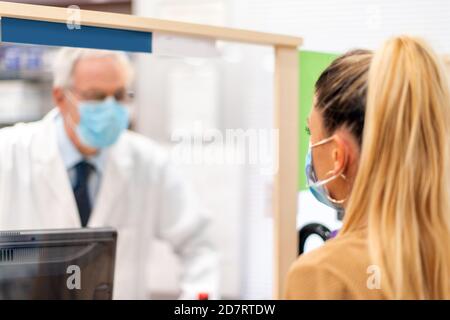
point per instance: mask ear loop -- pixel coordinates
(71, 122)
(326, 140)
(335, 200)
(70, 96)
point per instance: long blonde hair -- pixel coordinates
(401, 191)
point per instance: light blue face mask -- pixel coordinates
(101, 123)
(317, 187)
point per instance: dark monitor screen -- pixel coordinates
(57, 264)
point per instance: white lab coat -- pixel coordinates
(140, 196)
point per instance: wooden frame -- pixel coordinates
(286, 104)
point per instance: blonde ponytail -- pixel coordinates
(401, 192)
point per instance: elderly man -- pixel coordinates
(80, 167)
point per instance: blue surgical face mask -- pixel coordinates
(101, 123)
(318, 188)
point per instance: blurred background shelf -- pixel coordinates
(31, 76)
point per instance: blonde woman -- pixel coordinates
(395, 240)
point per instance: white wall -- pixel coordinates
(336, 26)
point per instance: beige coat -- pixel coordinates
(340, 269)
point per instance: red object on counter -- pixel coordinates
(203, 296)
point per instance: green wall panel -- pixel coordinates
(311, 65)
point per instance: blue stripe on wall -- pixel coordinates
(58, 34)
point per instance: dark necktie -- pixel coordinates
(81, 190)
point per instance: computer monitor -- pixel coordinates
(57, 264)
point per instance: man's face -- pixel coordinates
(93, 79)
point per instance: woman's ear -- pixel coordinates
(340, 154)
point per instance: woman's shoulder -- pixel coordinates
(337, 270)
(351, 244)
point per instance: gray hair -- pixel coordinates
(67, 58)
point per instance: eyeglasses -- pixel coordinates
(120, 95)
